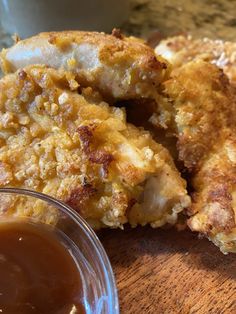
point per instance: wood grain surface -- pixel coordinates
(168, 272)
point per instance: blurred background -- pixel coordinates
(201, 18)
(150, 19)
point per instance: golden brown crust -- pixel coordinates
(203, 118)
(182, 49)
(65, 141)
(120, 67)
(215, 184)
(100, 156)
(201, 93)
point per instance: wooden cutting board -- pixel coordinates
(169, 272)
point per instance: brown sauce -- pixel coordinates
(37, 273)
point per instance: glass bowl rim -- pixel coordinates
(92, 237)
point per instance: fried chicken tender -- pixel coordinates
(201, 111)
(64, 140)
(179, 50)
(119, 67)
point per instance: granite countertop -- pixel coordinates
(201, 18)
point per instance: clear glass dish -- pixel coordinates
(99, 288)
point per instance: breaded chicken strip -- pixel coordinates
(182, 49)
(119, 67)
(65, 141)
(201, 106)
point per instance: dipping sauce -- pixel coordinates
(37, 273)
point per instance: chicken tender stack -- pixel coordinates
(64, 140)
(60, 137)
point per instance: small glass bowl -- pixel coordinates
(99, 288)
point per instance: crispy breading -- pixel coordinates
(120, 67)
(201, 110)
(214, 199)
(179, 50)
(64, 140)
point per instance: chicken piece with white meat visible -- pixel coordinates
(64, 140)
(119, 67)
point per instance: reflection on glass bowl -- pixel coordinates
(99, 288)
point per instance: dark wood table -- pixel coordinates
(168, 272)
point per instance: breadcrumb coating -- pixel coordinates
(119, 67)
(179, 50)
(64, 140)
(201, 111)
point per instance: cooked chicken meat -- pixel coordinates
(201, 108)
(64, 140)
(123, 69)
(84, 152)
(119, 67)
